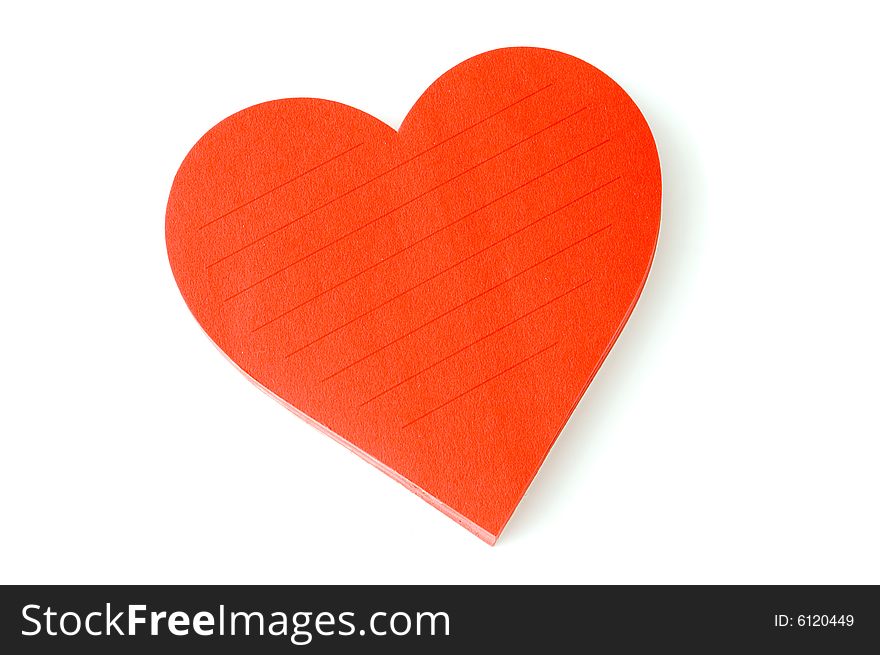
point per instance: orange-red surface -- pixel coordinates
(437, 298)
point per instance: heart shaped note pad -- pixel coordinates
(436, 298)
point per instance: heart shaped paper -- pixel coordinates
(436, 298)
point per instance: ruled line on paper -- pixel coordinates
(377, 177)
(472, 389)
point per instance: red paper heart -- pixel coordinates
(437, 298)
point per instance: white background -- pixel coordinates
(731, 436)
